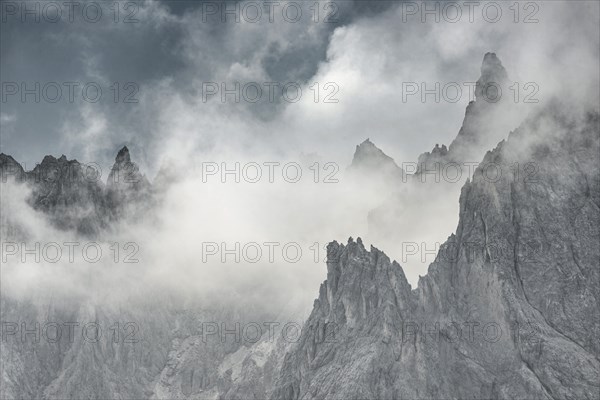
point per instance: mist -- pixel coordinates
(367, 60)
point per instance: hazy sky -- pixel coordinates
(164, 53)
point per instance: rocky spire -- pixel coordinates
(478, 132)
(123, 156)
(126, 187)
(125, 173)
(493, 75)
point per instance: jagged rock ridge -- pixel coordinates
(72, 195)
(539, 308)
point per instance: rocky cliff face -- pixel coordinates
(508, 309)
(347, 345)
(106, 353)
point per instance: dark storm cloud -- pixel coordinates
(168, 40)
(80, 51)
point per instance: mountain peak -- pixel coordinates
(10, 167)
(50, 162)
(367, 155)
(492, 74)
(123, 155)
(491, 62)
(490, 57)
(125, 183)
(49, 159)
(6, 158)
(371, 160)
(477, 133)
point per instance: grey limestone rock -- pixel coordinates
(509, 309)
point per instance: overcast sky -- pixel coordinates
(163, 54)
